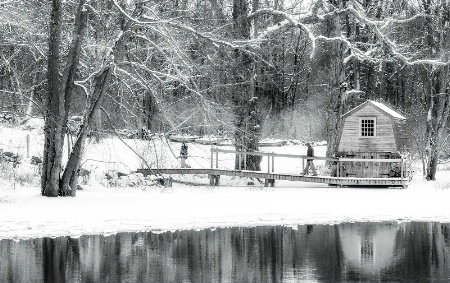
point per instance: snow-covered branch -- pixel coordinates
(146, 20)
(289, 21)
(7, 2)
(154, 73)
(390, 44)
(378, 27)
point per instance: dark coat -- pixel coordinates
(310, 152)
(184, 151)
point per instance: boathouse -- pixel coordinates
(371, 130)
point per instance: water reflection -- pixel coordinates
(369, 249)
(411, 252)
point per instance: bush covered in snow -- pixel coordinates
(33, 124)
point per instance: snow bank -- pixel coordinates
(192, 204)
(99, 210)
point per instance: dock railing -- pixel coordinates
(242, 156)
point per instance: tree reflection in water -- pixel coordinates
(322, 253)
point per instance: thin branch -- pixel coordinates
(120, 138)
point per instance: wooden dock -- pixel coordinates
(214, 175)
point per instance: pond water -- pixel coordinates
(406, 252)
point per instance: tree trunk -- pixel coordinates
(246, 121)
(70, 176)
(335, 107)
(439, 102)
(149, 111)
(58, 99)
(438, 114)
(53, 144)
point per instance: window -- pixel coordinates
(367, 127)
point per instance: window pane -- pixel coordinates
(367, 127)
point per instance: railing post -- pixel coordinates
(217, 158)
(268, 163)
(212, 157)
(28, 145)
(337, 169)
(303, 165)
(240, 161)
(245, 160)
(401, 169)
(273, 163)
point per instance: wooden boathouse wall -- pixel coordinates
(388, 141)
(390, 131)
(366, 169)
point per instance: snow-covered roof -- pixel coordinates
(387, 110)
(380, 106)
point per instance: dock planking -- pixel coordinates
(214, 174)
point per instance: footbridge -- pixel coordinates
(338, 176)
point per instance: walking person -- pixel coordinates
(309, 162)
(184, 156)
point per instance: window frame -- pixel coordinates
(374, 127)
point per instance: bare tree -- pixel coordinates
(55, 179)
(58, 98)
(438, 39)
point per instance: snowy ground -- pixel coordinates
(191, 203)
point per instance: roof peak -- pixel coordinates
(388, 110)
(383, 107)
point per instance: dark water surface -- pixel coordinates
(362, 252)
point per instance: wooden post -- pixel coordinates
(273, 163)
(28, 145)
(303, 165)
(217, 159)
(245, 161)
(212, 158)
(268, 163)
(168, 182)
(240, 161)
(401, 169)
(214, 180)
(337, 169)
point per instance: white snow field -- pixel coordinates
(191, 203)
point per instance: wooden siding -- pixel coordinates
(385, 141)
(401, 134)
(361, 169)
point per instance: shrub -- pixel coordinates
(442, 184)
(23, 175)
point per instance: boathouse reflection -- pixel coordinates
(369, 248)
